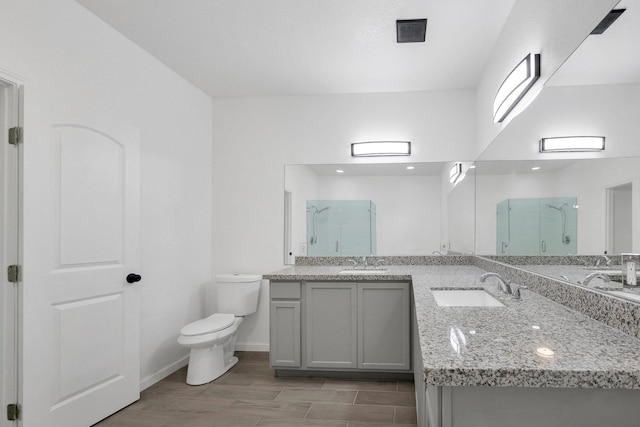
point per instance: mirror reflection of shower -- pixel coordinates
(565, 238)
(341, 228)
(314, 237)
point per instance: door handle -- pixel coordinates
(133, 278)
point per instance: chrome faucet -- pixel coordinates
(591, 276)
(504, 285)
(604, 258)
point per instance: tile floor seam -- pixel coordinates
(308, 410)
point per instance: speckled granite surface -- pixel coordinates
(608, 308)
(496, 346)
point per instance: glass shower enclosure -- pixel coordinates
(341, 228)
(537, 226)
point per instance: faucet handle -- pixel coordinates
(515, 294)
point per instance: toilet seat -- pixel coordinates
(213, 323)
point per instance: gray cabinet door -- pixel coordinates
(331, 325)
(384, 331)
(285, 334)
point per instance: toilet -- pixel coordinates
(212, 340)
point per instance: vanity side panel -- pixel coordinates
(535, 406)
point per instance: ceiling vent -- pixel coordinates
(607, 21)
(411, 30)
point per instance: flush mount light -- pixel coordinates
(381, 148)
(572, 144)
(455, 173)
(515, 86)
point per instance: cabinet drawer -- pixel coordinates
(285, 290)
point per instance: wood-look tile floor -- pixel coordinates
(250, 395)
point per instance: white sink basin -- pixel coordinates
(364, 271)
(465, 298)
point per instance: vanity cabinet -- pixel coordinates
(284, 317)
(331, 325)
(384, 331)
(341, 326)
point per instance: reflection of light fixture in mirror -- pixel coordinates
(381, 148)
(545, 352)
(455, 173)
(457, 339)
(515, 86)
(572, 143)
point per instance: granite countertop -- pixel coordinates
(497, 346)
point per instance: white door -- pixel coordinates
(9, 250)
(81, 330)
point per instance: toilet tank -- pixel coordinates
(238, 293)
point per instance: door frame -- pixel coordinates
(11, 222)
(610, 192)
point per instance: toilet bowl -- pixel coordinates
(212, 340)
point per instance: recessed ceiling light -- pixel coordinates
(535, 168)
(410, 167)
(339, 171)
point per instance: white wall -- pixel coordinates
(253, 138)
(551, 28)
(71, 61)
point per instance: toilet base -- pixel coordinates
(205, 367)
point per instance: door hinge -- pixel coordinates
(15, 135)
(14, 274)
(13, 412)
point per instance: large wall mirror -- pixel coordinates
(570, 203)
(326, 210)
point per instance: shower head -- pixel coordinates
(553, 207)
(323, 209)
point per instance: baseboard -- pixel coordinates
(163, 373)
(252, 346)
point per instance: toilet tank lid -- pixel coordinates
(240, 278)
(209, 324)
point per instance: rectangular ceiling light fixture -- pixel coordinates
(381, 148)
(572, 144)
(515, 86)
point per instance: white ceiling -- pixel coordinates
(234, 48)
(609, 58)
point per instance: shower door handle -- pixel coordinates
(544, 246)
(337, 246)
